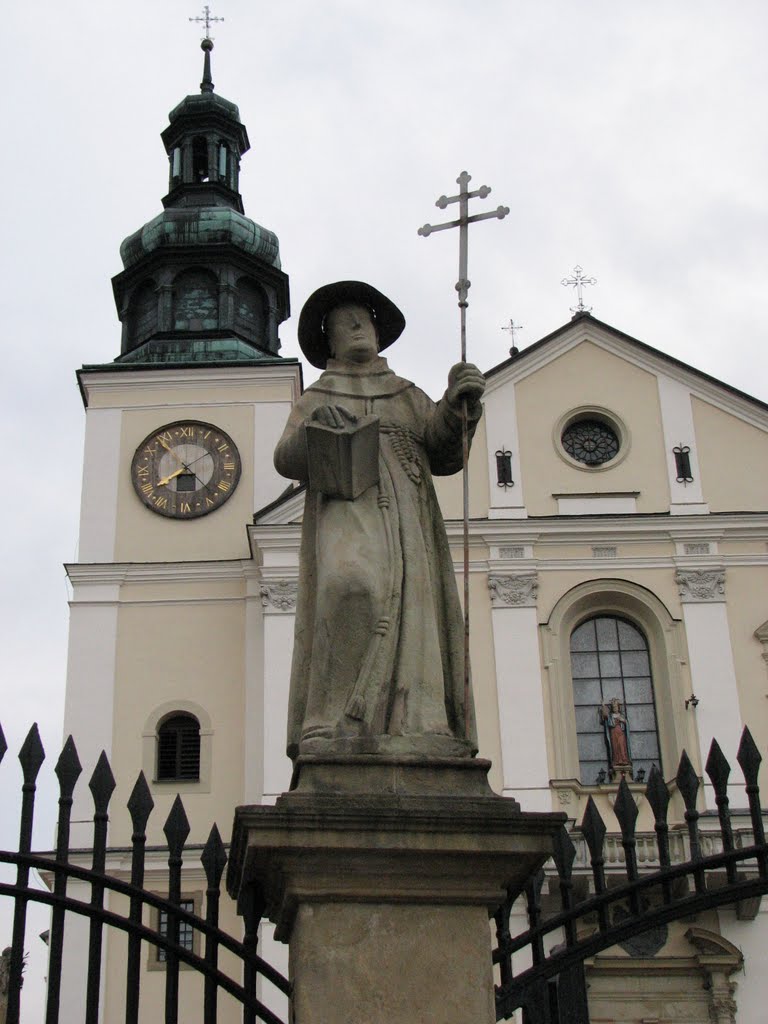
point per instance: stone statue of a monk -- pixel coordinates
(378, 662)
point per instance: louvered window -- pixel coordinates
(178, 748)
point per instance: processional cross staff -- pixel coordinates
(462, 287)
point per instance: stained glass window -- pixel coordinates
(610, 659)
(590, 441)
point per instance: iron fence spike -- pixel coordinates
(687, 781)
(68, 768)
(717, 768)
(176, 827)
(140, 804)
(214, 858)
(657, 794)
(593, 829)
(563, 853)
(102, 784)
(749, 757)
(31, 755)
(625, 810)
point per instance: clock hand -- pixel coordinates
(184, 466)
(164, 481)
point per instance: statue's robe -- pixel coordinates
(379, 644)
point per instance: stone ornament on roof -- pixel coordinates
(513, 590)
(700, 585)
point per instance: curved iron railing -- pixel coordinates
(646, 900)
(63, 870)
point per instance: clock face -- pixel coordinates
(185, 469)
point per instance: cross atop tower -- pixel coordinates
(207, 20)
(513, 328)
(578, 281)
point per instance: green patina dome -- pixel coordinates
(202, 225)
(205, 103)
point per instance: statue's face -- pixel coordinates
(352, 334)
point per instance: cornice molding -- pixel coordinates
(104, 573)
(104, 382)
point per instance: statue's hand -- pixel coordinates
(465, 380)
(333, 416)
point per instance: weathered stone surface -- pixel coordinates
(379, 643)
(384, 896)
(392, 963)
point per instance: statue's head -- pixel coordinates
(347, 320)
(352, 333)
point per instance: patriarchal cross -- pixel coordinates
(462, 287)
(207, 20)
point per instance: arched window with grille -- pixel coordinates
(616, 721)
(178, 749)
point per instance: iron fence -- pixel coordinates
(552, 989)
(62, 869)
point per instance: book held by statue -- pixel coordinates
(343, 462)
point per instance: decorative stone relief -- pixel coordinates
(697, 585)
(514, 591)
(279, 594)
(761, 634)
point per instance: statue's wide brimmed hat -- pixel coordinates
(313, 339)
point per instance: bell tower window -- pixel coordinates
(195, 301)
(223, 163)
(200, 170)
(175, 166)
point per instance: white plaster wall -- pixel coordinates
(525, 771)
(678, 427)
(501, 431)
(584, 505)
(88, 708)
(278, 652)
(101, 472)
(75, 959)
(752, 939)
(255, 724)
(714, 683)
(269, 422)
(276, 955)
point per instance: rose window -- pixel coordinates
(591, 442)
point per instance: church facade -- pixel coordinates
(618, 573)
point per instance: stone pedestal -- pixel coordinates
(381, 874)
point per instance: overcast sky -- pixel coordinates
(628, 138)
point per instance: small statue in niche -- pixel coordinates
(616, 729)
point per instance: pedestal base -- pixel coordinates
(381, 874)
(358, 964)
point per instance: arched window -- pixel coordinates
(249, 308)
(142, 316)
(200, 170)
(178, 748)
(195, 301)
(614, 704)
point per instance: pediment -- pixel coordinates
(586, 329)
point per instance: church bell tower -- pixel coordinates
(201, 281)
(164, 671)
